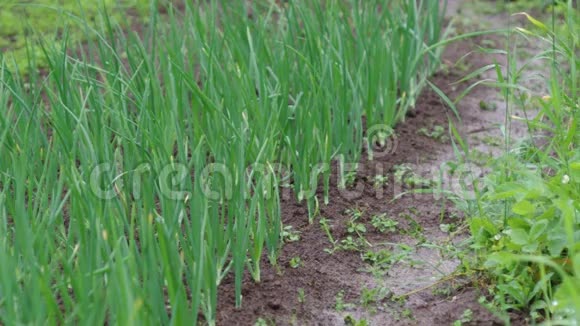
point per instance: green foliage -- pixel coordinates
(487, 106)
(301, 296)
(466, 318)
(525, 222)
(383, 223)
(351, 321)
(379, 261)
(380, 181)
(182, 129)
(290, 235)
(373, 296)
(295, 262)
(405, 175)
(350, 243)
(437, 132)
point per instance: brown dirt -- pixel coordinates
(428, 272)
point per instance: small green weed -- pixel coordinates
(326, 228)
(351, 321)
(380, 181)
(383, 223)
(289, 234)
(487, 105)
(295, 262)
(404, 174)
(437, 132)
(414, 229)
(301, 296)
(370, 297)
(379, 261)
(466, 317)
(447, 228)
(264, 322)
(350, 243)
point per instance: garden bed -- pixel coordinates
(422, 283)
(274, 163)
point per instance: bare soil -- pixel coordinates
(425, 284)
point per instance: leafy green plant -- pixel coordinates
(350, 243)
(487, 105)
(437, 132)
(380, 181)
(524, 218)
(301, 296)
(447, 227)
(407, 313)
(480, 158)
(355, 213)
(466, 317)
(355, 227)
(295, 262)
(351, 321)
(414, 229)
(372, 296)
(379, 261)
(405, 175)
(383, 223)
(492, 141)
(349, 178)
(289, 234)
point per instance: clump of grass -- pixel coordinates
(136, 176)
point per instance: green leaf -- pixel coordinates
(445, 99)
(548, 214)
(519, 236)
(556, 243)
(530, 248)
(523, 207)
(534, 21)
(508, 190)
(538, 229)
(498, 259)
(477, 224)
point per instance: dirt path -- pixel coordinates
(408, 274)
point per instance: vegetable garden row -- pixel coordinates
(136, 176)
